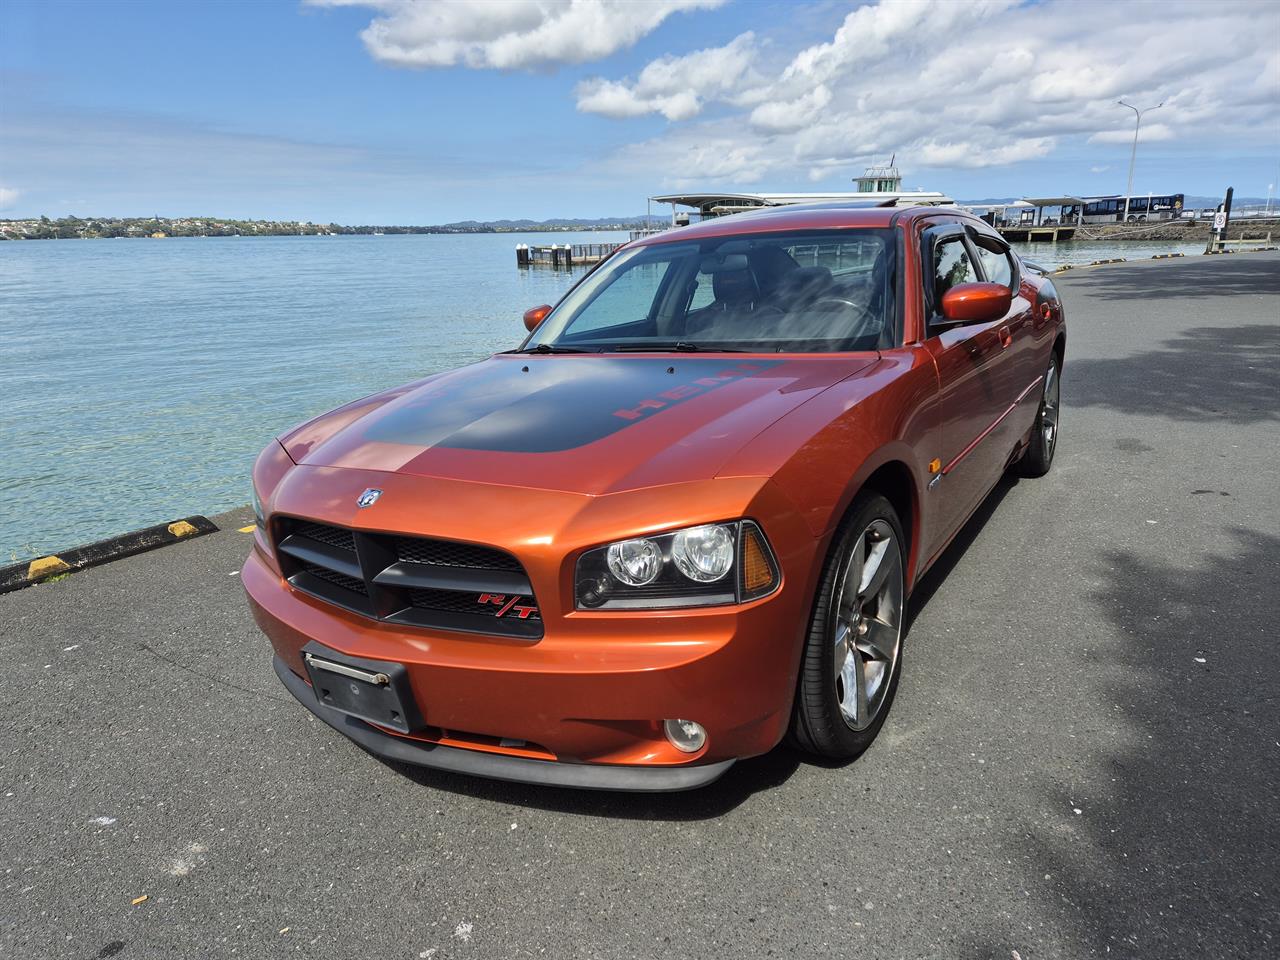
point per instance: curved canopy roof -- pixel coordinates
(742, 201)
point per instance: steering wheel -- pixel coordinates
(839, 305)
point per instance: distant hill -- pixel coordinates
(89, 228)
(567, 223)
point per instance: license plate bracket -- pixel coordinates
(376, 691)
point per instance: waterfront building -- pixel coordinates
(880, 182)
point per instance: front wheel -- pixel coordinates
(853, 654)
(1038, 458)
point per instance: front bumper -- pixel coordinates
(499, 766)
(583, 706)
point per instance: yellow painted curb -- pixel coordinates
(24, 573)
(46, 566)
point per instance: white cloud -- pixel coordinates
(792, 114)
(956, 85)
(508, 34)
(8, 197)
(969, 153)
(1149, 132)
(675, 87)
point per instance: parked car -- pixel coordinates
(681, 522)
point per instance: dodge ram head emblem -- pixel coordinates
(369, 498)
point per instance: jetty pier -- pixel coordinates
(1080, 762)
(562, 254)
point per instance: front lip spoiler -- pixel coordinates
(581, 776)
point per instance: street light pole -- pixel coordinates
(1133, 156)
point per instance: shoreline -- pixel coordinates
(1172, 231)
(1176, 231)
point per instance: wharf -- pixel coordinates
(1025, 233)
(563, 255)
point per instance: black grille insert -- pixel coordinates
(449, 553)
(416, 581)
(333, 536)
(336, 578)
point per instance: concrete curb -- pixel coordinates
(25, 574)
(1158, 256)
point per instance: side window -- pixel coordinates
(704, 294)
(951, 266)
(995, 263)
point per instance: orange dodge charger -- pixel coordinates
(681, 522)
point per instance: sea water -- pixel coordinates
(139, 378)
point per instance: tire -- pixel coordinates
(833, 716)
(1038, 457)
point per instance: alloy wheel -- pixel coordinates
(1049, 409)
(867, 624)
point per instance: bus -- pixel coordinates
(1111, 209)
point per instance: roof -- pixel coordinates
(700, 200)
(800, 217)
(1026, 203)
(1052, 201)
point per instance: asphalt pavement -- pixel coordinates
(1083, 760)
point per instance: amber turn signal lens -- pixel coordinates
(757, 574)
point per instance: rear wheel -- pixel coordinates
(853, 654)
(1038, 458)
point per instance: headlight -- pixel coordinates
(268, 470)
(259, 515)
(713, 563)
(634, 562)
(703, 553)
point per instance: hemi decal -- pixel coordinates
(551, 403)
(675, 395)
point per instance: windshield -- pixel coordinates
(817, 291)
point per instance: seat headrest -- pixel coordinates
(805, 282)
(733, 286)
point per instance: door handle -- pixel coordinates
(1006, 337)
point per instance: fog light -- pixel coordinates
(685, 735)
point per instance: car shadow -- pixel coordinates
(1201, 375)
(1194, 279)
(743, 779)
(928, 585)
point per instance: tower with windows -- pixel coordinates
(881, 178)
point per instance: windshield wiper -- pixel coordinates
(552, 348)
(679, 346)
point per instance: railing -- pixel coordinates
(563, 254)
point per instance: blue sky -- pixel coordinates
(390, 111)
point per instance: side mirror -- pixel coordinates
(535, 315)
(976, 302)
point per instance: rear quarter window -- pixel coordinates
(995, 262)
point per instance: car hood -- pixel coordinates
(584, 423)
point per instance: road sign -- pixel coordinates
(1219, 219)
